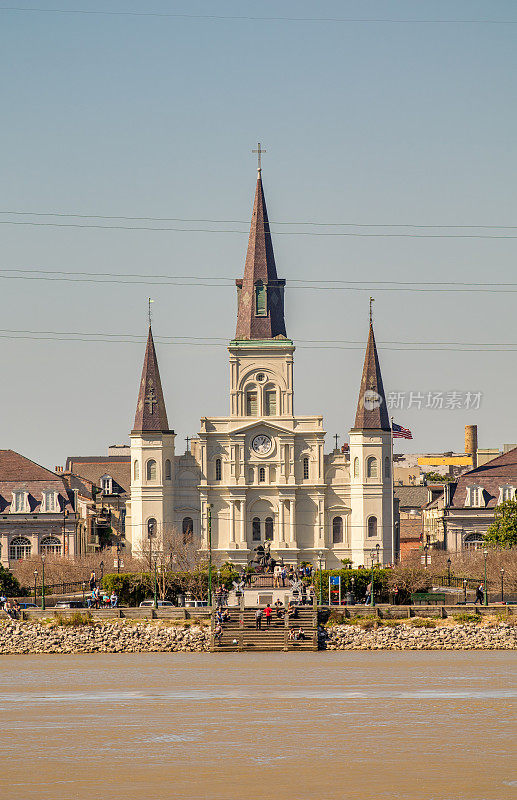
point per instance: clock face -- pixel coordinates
(261, 444)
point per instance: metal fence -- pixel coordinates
(457, 583)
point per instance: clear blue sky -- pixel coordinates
(146, 116)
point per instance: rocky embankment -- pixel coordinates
(24, 638)
(408, 636)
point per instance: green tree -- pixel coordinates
(8, 583)
(503, 532)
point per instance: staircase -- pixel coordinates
(240, 634)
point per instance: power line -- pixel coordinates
(249, 18)
(247, 222)
(245, 233)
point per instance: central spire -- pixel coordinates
(151, 415)
(260, 293)
(371, 408)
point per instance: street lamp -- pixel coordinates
(485, 553)
(155, 558)
(209, 520)
(372, 597)
(35, 584)
(84, 587)
(449, 562)
(426, 547)
(118, 556)
(43, 582)
(465, 582)
(101, 565)
(320, 562)
(502, 584)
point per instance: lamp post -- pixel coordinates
(426, 547)
(465, 590)
(209, 555)
(502, 584)
(372, 595)
(485, 553)
(118, 557)
(101, 565)
(35, 584)
(320, 562)
(155, 558)
(449, 562)
(84, 588)
(43, 582)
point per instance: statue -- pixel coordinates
(263, 561)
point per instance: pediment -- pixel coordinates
(262, 422)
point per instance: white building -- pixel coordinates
(262, 472)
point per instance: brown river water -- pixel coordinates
(324, 726)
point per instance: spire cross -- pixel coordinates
(259, 152)
(336, 437)
(188, 439)
(372, 300)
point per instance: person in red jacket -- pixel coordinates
(268, 611)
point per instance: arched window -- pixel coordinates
(168, 470)
(356, 467)
(20, 547)
(372, 526)
(255, 527)
(337, 530)
(136, 470)
(151, 470)
(371, 467)
(262, 474)
(269, 529)
(251, 404)
(218, 469)
(306, 469)
(50, 546)
(270, 402)
(187, 528)
(387, 467)
(151, 527)
(260, 300)
(474, 541)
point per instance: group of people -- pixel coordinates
(10, 606)
(99, 599)
(281, 574)
(278, 610)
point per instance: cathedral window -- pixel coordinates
(168, 470)
(218, 469)
(262, 474)
(255, 527)
(270, 402)
(151, 470)
(251, 404)
(269, 529)
(372, 526)
(356, 467)
(136, 470)
(337, 530)
(371, 467)
(260, 300)
(187, 529)
(306, 469)
(19, 548)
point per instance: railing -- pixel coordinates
(456, 582)
(65, 587)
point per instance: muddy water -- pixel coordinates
(324, 726)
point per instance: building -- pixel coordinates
(409, 502)
(37, 512)
(261, 474)
(459, 515)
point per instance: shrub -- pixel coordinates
(75, 620)
(424, 622)
(465, 618)
(8, 583)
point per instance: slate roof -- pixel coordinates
(501, 471)
(411, 496)
(92, 468)
(20, 473)
(260, 266)
(372, 411)
(151, 415)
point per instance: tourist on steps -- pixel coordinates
(268, 612)
(258, 619)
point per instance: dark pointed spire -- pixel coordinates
(371, 408)
(260, 293)
(151, 415)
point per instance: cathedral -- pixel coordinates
(261, 473)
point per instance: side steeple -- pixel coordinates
(260, 292)
(372, 412)
(151, 415)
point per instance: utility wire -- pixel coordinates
(247, 222)
(249, 18)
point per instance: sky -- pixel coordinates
(367, 126)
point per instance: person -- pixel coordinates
(277, 575)
(226, 615)
(268, 612)
(291, 573)
(3, 598)
(292, 609)
(300, 635)
(93, 581)
(368, 594)
(219, 616)
(258, 619)
(279, 607)
(218, 633)
(283, 576)
(113, 599)
(304, 594)
(479, 594)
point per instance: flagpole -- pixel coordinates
(393, 559)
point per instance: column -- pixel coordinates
(281, 521)
(232, 522)
(243, 542)
(292, 537)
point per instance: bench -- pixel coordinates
(421, 598)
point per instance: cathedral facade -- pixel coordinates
(261, 473)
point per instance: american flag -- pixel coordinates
(401, 433)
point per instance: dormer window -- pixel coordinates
(19, 503)
(49, 501)
(107, 484)
(506, 493)
(475, 497)
(260, 300)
